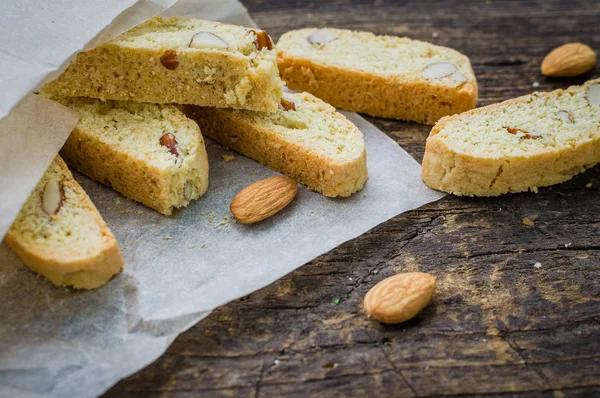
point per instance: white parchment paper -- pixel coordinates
(56, 342)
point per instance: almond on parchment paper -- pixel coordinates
(568, 60)
(400, 297)
(262, 199)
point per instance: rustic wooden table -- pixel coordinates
(497, 325)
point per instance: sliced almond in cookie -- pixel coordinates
(263, 40)
(565, 116)
(523, 134)
(320, 37)
(169, 60)
(287, 105)
(208, 40)
(188, 190)
(169, 141)
(52, 197)
(593, 94)
(458, 77)
(438, 70)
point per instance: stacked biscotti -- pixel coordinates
(133, 137)
(146, 97)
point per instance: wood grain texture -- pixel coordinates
(497, 325)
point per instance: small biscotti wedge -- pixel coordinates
(393, 77)
(60, 234)
(150, 153)
(305, 139)
(518, 145)
(179, 60)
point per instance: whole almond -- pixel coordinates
(569, 60)
(262, 199)
(400, 297)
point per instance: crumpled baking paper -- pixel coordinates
(56, 342)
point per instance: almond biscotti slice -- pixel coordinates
(150, 153)
(518, 145)
(60, 234)
(393, 77)
(305, 139)
(179, 60)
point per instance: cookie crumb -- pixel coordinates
(435, 35)
(167, 237)
(253, 173)
(537, 265)
(203, 245)
(535, 84)
(528, 221)
(568, 244)
(191, 246)
(588, 185)
(228, 158)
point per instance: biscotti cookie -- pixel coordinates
(518, 145)
(393, 77)
(305, 139)
(60, 234)
(179, 60)
(150, 153)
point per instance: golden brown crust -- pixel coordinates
(55, 263)
(91, 156)
(150, 73)
(375, 95)
(250, 139)
(463, 174)
(131, 159)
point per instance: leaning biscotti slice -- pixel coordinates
(393, 77)
(60, 234)
(518, 145)
(305, 139)
(178, 60)
(150, 153)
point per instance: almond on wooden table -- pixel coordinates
(400, 297)
(262, 199)
(568, 60)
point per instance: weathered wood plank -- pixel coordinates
(497, 324)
